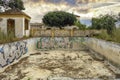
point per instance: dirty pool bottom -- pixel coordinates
(57, 65)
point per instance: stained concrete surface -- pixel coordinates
(57, 65)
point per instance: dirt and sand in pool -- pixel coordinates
(57, 65)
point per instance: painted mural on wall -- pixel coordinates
(11, 52)
(60, 42)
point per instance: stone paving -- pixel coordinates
(57, 65)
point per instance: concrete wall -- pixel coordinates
(74, 43)
(19, 26)
(63, 32)
(109, 50)
(11, 53)
(28, 31)
(3, 25)
(19, 23)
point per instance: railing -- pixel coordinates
(62, 32)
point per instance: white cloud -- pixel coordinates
(38, 8)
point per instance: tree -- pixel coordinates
(96, 24)
(0, 2)
(104, 22)
(59, 19)
(80, 26)
(13, 4)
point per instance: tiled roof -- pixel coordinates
(14, 12)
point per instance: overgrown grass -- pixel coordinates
(115, 36)
(6, 38)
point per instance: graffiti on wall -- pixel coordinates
(59, 42)
(11, 52)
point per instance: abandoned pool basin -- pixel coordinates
(58, 65)
(11, 53)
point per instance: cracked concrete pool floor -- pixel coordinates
(57, 65)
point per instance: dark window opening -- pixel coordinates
(26, 24)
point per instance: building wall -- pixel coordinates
(19, 26)
(3, 25)
(27, 32)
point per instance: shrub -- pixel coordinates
(59, 19)
(6, 38)
(103, 35)
(115, 35)
(80, 26)
(104, 22)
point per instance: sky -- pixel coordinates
(84, 8)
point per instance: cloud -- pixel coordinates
(38, 8)
(41, 7)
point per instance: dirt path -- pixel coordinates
(57, 65)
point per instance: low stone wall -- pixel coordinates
(63, 32)
(109, 50)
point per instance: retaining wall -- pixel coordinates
(74, 43)
(109, 50)
(11, 53)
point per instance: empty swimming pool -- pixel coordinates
(57, 65)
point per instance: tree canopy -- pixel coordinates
(104, 22)
(59, 19)
(80, 25)
(13, 4)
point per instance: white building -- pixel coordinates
(15, 21)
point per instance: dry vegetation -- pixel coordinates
(4, 38)
(114, 37)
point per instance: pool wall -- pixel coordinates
(11, 53)
(109, 50)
